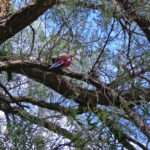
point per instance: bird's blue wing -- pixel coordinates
(56, 65)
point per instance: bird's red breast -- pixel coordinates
(66, 60)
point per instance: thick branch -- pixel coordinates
(42, 74)
(82, 96)
(14, 23)
(133, 15)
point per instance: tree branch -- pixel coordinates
(14, 23)
(42, 122)
(133, 15)
(51, 106)
(109, 121)
(42, 74)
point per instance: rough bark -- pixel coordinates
(130, 11)
(84, 97)
(15, 23)
(103, 94)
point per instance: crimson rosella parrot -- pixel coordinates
(62, 61)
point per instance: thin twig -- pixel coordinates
(102, 50)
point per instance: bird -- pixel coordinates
(62, 61)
